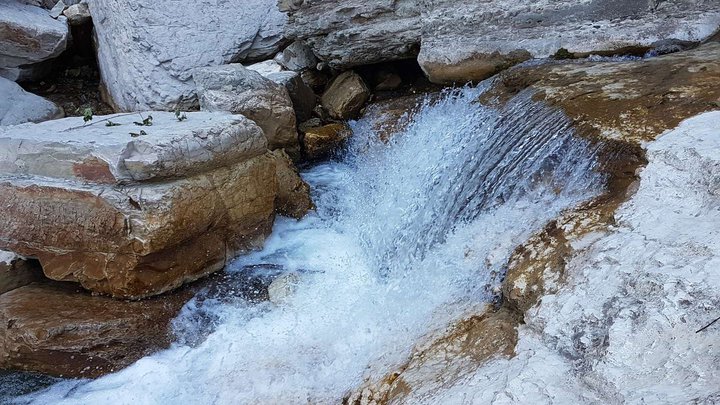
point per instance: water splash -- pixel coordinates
(408, 237)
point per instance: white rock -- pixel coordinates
(623, 328)
(77, 14)
(17, 106)
(148, 49)
(239, 90)
(57, 9)
(29, 35)
(170, 148)
(283, 287)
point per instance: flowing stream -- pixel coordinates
(409, 236)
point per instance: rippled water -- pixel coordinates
(408, 237)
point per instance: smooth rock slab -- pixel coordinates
(95, 152)
(148, 49)
(29, 35)
(17, 106)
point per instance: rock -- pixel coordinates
(388, 81)
(464, 40)
(302, 96)
(293, 199)
(240, 90)
(266, 67)
(78, 14)
(283, 287)
(16, 271)
(321, 142)
(56, 329)
(297, 56)
(18, 106)
(357, 32)
(57, 9)
(29, 35)
(135, 216)
(345, 96)
(148, 50)
(317, 80)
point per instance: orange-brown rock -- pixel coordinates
(293, 198)
(16, 271)
(321, 142)
(135, 216)
(59, 329)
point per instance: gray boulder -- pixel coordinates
(29, 35)
(17, 106)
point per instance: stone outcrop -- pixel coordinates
(29, 35)
(293, 198)
(148, 50)
(461, 41)
(56, 328)
(239, 90)
(17, 106)
(345, 96)
(135, 215)
(601, 272)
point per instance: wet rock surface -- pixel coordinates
(322, 142)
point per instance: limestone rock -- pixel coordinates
(57, 9)
(240, 90)
(302, 96)
(148, 50)
(17, 106)
(297, 56)
(321, 142)
(16, 271)
(135, 216)
(293, 198)
(29, 35)
(56, 329)
(345, 96)
(78, 14)
(266, 67)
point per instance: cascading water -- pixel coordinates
(409, 236)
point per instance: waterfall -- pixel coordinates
(409, 236)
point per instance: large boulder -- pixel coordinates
(148, 50)
(17, 106)
(302, 96)
(239, 90)
(471, 40)
(29, 35)
(135, 215)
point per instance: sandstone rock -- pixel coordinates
(240, 90)
(16, 271)
(293, 199)
(18, 106)
(78, 14)
(302, 96)
(135, 216)
(29, 35)
(60, 330)
(345, 96)
(148, 50)
(321, 142)
(297, 56)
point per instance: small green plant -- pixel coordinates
(112, 124)
(180, 116)
(146, 122)
(136, 134)
(87, 115)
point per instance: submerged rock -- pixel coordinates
(17, 106)
(148, 50)
(283, 287)
(135, 215)
(239, 90)
(345, 96)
